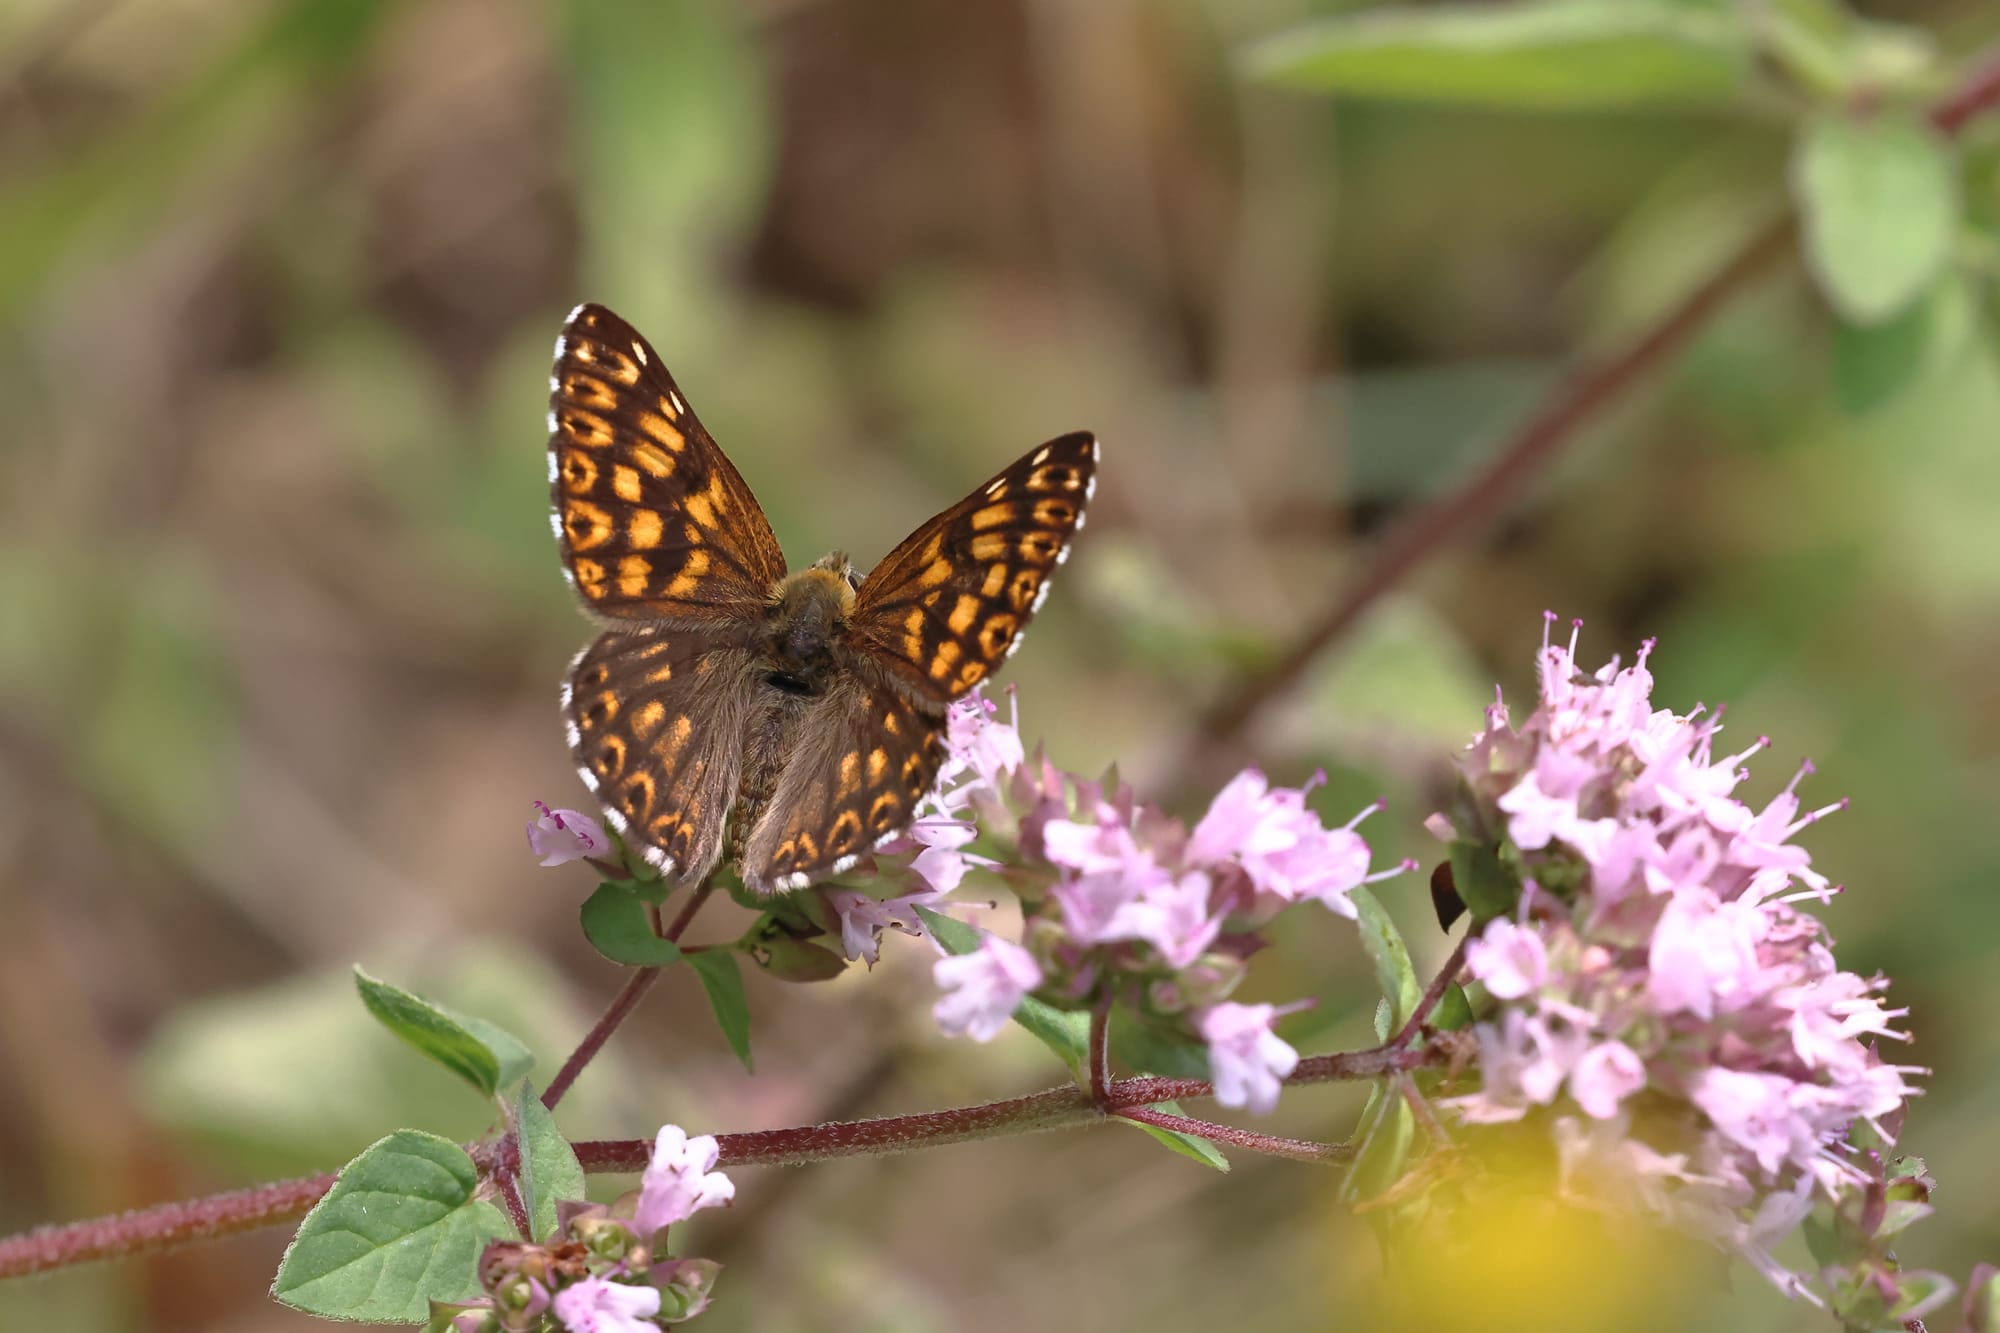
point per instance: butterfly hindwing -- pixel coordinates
(865, 756)
(656, 721)
(654, 522)
(946, 607)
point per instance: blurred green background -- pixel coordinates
(281, 623)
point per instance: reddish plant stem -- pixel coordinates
(1579, 399)
(1460, 512)
(1271, 1145)
(175, 1224)
(1432, 995)
(621, 1006)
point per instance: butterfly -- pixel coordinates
(786, 721)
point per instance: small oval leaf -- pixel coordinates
(1879, 195)
(723, 981)
(483, 1054)
(617, 924)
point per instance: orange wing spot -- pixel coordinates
(609, 359)
(588, 391)
(651, 459)
(661, 674)
(579, 472)
(597, 675)
(699, 509)
(996, 634)
(808, 849)
(718, 494)
(625, 483)
(590, 577)
(1022, 592)
(648, 719)
(604, 709)
(850, 774)
(670, 408)
(892, 724)
(846, 832)
(634, 785)
(933, 548)
(634, 573)
(690, 576)
(913, 775)
(586, 429)
(682, 729)
(692, 531)
(878, 759)
(587, 526)
(971, 674)
(992, 516)
(947, 656)
(935, 573)
(654, 649)
(963, 614)
(1040, 547)
(783, 855)
(659, 428)
(1054, 477)
(1055, 513)
(989, 546)
(663, 827)
(913, 634)
(882, 814)
(609, 760)
(642, 530)
(996, 579)
(997, 489)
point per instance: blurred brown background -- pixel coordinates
(281, 623)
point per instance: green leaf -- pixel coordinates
(398, 1230)
(1454, 1011)
(1187, 1145)
(724, 984)
(1483, 881)
(1387, 1130)
(1560, 54)
(1879, 195)
(617, 924)
(1157, 1048)
(1875, 364)
(1383, 944)
(1063, 1031)
(484, 1055)
(550, 1172)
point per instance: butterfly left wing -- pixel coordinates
(948, 606)
(865, 756)
(654, 522)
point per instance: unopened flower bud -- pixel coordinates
(684, 1286)
(606, 1238)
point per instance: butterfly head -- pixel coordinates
(807, 619)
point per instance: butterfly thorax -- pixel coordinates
(805, 628)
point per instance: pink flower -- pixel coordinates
(1704, 955)
(1604, 1076)
(863, 919)
(983, 988)
(978, 744)
(597, 1306)
(1246, 1060)
(1142, 903)
(1281, 844)
(1510, 959)
(557, 836)
(680, 1181)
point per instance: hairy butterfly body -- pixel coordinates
(787, 722)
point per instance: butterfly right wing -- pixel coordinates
(656, 720)
(945, 608)
(864, 757)
(654, 522)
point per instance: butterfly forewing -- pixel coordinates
(946, 607)
(656, 720)
(865, 757)
(653, 521)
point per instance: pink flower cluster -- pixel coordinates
(1659, 984)
(1127, 905)
(607, 1271)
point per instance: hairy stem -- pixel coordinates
(1100, 1050)
(174, 1224)
(621, 1006)
(1271, 1145)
